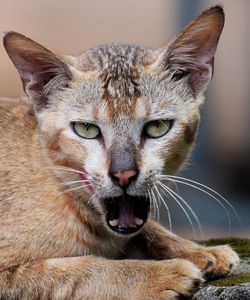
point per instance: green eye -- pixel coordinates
(86, 130)
(158, 128)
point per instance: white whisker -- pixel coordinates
(66, 169)
(152, 202)
(212, 196)
(149, 196)
(175, 196)
(96, 195)
(157, 211)
(72, 182)
(77, 188)
(167, 208)
(183, 179)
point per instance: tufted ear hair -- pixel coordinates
(191, 53)
(40, 69)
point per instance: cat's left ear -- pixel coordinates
(191, 54)
(41, 70)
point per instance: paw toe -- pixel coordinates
(227, 260)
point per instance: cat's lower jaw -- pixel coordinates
(126, 214)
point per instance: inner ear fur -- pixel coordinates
(40, 69)
(191, 53)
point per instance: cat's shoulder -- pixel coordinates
(14, 108)
(16, 118)
(10, 103)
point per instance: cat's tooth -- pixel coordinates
(114, 222)
(138, 221)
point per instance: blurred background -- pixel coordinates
(220, 159)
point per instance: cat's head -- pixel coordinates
(113, 120)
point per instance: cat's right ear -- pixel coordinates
(40, 69)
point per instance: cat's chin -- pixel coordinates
(126, 214)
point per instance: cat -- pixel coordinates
(80, 156)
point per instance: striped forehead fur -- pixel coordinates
(119, 67)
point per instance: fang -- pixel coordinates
(114, 222)
(138, 221)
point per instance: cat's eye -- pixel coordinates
(86, 130)
(158, 128)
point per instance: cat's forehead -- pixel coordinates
(118, 70)
(121, 85)
(113, 57)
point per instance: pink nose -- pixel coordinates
(124, 176)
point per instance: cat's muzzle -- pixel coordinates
(126, 214)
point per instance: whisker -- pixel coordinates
(68, 170)
(157, 211)
(66, 183)
(77, 188)
(212, 196)
(175, 196)
(152, 202)
(167, 208)
(149, 196)
(216, 193)
(183, 179)
(176, 187)
(97, 195)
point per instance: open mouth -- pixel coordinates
(126, 214)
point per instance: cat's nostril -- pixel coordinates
(122, 169)
(124, 177)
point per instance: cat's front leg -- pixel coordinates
(95, 278)
(155, 242)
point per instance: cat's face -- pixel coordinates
(100, 129)
(116, 118)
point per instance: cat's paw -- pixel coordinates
(215, 261)
(171, 279)
(226, 260)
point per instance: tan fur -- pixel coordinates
(54, 243)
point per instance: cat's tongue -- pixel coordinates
(126, 217)
(126, 214)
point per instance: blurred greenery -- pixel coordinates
(240, 245)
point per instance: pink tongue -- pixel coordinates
(126, 218)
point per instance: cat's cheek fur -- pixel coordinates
(63, 152)
(167, 154)
(177, 151)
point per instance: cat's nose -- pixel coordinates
(124, 177)
(122, 168)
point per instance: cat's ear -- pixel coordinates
(36, 65)
(191, 54)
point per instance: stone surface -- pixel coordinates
(238, 292)
(235, 287)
